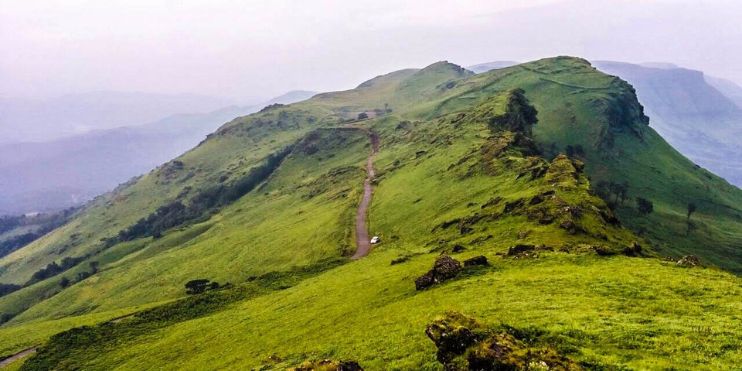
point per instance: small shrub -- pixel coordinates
(644, 206)
(199, 286)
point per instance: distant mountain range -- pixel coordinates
(696, 114)
(65, 172)
(699, 115)
(36, 120)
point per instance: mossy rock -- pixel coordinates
(465, 344)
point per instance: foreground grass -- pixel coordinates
(617, 311)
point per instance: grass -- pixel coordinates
(637, 313)
(443, 179)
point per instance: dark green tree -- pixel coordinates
(198, 286)
(691, 209)
(644, 206)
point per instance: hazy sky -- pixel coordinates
(249, 49)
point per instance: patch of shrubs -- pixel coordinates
(644, 206)
(200, 286)
(7, 288)
(177, 213)
(52, 269)
(42, 223)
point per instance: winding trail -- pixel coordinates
(17, 356)
(363, 245)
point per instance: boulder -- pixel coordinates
(477, 260)
(689, 261)
(465, 344)
(328, 365)
(519, 249)
(444, 268)
(635, 249)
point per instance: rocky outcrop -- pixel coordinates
(328, 365)
(445, 268)
(689, 261)
(465, 344)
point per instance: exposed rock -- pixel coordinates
(510, 206)
(603, 251)
(452, 334)
(457, 248)
(569, 225)
(424, 281)
(635, 249)
(520, 249)
(400, 260)
(492, 202)
(445, 268)
(477, 260)
(545, 219)
(328, 365)
(689, 261)
(464, 344)
(537, 199)
(609, 217)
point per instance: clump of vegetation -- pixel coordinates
(691, 209)
(612, 193)
(53, 269)
(7, 288)
(200, 286)
(81, 340)
(33, 227)
(644, 206)
(177, 213)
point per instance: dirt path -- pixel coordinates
(17, 356)
(363, 245)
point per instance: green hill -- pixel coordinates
(469, 165)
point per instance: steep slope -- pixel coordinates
(729, 88)
(462, 169)
(691, 114)
(599, 120)
(53, 175)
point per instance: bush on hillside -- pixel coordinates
(52, 269)
(644, 206)
(199, 286)
(7, 288)
(177, 213)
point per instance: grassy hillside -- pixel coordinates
(463, 169)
